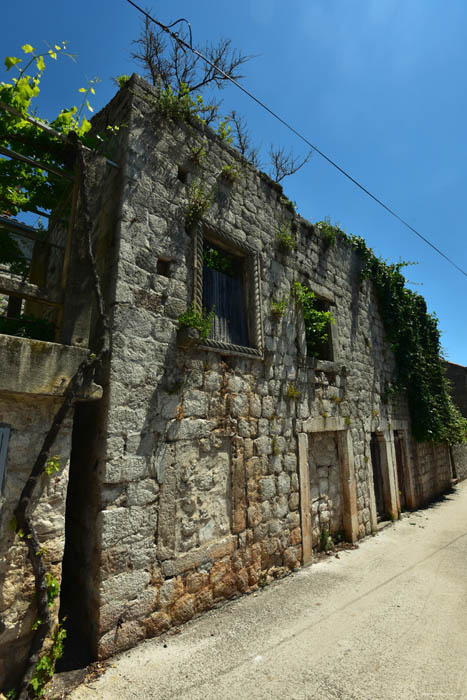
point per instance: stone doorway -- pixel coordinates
(79, 564)
(378, 480)
(328, 494)
(325, 486)
(399, 450)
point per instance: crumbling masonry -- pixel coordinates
(208, 465)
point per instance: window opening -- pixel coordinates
(224, 293)
(182, 175)
(321, 347)
(163, 267)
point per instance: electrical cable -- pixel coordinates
(183, 44)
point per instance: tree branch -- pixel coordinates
(284, 164)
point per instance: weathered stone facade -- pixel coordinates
(209, 466)
(221, 465)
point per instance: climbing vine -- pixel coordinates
(23, 186)
(414, 338)
(28, 187)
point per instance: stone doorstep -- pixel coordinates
(383, 524)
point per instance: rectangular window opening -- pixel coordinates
(318, 339)
(224, 287)
(163, 267)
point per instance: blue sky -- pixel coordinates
(378, 85)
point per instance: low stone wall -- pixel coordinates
(33, 378)
(459, 457)
(29, 419)
(433, 471)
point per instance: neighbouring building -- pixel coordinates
(457, 375)
(203, 465)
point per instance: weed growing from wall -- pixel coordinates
(200, 320)
(200, 200)
(284, 238)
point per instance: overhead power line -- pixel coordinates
(189, 47)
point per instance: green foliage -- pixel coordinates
(278, 308)
(224, 129)
(325, 540)
(24, 187)
(12, 255)
(52, 465)
(229, 173)
(414, 339)
(215, 259)
(53, 588)
(284, 238)
(288, 203)
(122, 80)
(198, 154)
(329, 232)
(27, 326)
(45, 667)
(181, 106)
(194, 318)
(292, 392)
(316, 321)
(199, 203)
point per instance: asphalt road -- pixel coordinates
(385, 621)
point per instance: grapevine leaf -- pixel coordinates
(11, 61)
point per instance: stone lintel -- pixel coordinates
(320, 424)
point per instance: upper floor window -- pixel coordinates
(227, 281)
(318, 321)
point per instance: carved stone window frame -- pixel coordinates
(253, 304)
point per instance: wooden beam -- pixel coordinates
(35, 163)
(19, 288)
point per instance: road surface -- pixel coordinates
(384, 622)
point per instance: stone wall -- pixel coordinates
(28, 419)
(197, 470)
(459, 458)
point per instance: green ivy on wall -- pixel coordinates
(414, 339)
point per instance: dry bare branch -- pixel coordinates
(164, 59)
(284, 163)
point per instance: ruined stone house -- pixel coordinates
(194, 468)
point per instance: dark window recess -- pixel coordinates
(182, 175)
(163, 268)
(223, 291)
(378, 483)
(321, 350)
